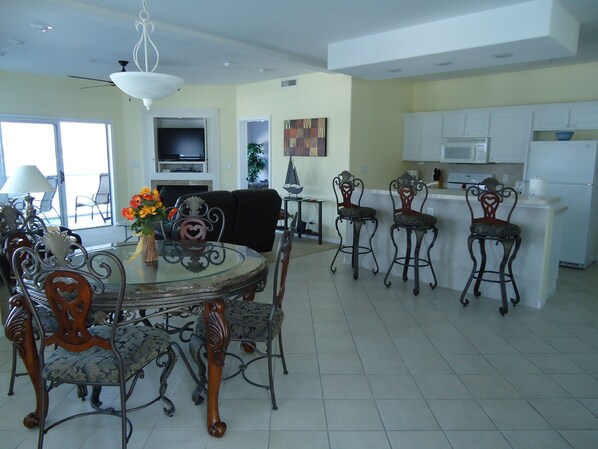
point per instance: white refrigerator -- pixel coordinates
(569, 169)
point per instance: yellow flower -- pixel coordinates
(147, 210)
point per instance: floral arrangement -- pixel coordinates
(145, 210)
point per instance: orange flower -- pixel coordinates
(135, 201)
(145, 210)
(128, 213)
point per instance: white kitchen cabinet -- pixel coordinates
(583, 117)
(566, 117)
(422, 133)
(466, 124)
(412, 137)
(510, 135)
(431, 137)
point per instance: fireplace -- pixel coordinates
(170, 190)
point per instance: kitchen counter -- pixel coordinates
(536, 265)
(455, 194)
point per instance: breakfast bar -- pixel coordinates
(536, 265)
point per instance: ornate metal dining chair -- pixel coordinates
(196, 220)
(489, 195)
(101, 198)
(16, 230)
(253, 323)
(64, 278)
(348, 191)
(413, 221)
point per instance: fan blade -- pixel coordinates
(91, 79)
(99, 85)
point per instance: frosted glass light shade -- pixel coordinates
(26, 179)
(147, 86)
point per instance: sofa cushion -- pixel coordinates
(257, 216)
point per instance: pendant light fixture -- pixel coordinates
(146, 84)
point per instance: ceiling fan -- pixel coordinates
(123, 64)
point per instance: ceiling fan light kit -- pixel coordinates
(146, 84)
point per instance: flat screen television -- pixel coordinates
(181, 144)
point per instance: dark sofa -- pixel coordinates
(250, 215)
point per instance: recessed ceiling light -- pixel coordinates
(503, 55)
(229, 63)
(394, 70)
(41, 27)
(264, 70)
(16, 42)
(442, 64)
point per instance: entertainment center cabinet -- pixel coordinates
(166, 163)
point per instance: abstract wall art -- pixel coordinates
(305, 137)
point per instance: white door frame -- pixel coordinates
(243, 141)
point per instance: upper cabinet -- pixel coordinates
(412, 137)
(466, 124)
(510, 128)
(431, 137)
(422, 133)
(566, 116)
(510, 134)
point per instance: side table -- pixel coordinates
(299, 202)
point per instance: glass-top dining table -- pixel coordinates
(187, 275)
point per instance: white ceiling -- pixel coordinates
(267, 39)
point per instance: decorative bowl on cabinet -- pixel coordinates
(563, 135)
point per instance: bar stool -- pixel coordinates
(344, 186)
(490, 194)
(413, 221)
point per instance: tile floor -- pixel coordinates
(379, 368)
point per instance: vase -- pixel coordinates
(149, 251)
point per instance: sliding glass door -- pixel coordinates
(72, 155)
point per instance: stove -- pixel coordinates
(460, 181)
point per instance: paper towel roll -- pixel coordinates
(537, 187)
(414, 173)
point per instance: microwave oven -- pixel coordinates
(465, 150)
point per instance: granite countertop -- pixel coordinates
(452, 194)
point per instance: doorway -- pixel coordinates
(254, 131)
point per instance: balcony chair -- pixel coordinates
(489, 195)
(347, 188)
(113, 353)
(252, 323)
(101, 197)
(46, 203)
(406, 187)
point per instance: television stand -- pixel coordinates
(182, 166)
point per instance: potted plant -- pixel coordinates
(255, 161)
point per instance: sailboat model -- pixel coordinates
(291, 182)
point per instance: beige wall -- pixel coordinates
(377, 131)
(561, 84)
(315, 95)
